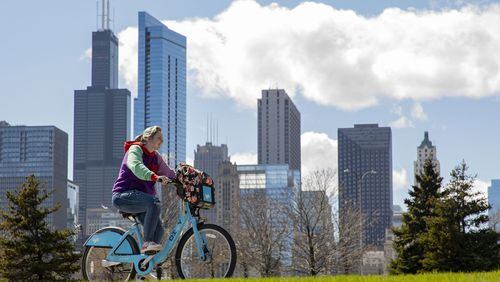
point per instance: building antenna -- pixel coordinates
(108, 14)
(217, 134)
(207, 129)
(96, 14)
(103, 13)
(210, 129)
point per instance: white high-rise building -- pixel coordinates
(425, 151)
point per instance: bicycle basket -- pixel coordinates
(198, 187)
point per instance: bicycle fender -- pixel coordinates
(108, 238)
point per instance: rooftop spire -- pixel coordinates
(105, 15)
(426, 142)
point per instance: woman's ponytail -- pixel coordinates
(148, 134)
(138, 138)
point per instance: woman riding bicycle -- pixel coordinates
(134, 192)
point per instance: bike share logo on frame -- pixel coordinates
(172, 236)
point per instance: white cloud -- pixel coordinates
(337, 57)
(244, 158)
(128, 57)
(400, 179)
(417, 112)
(318, 151)
(87, 55)
(401, 122)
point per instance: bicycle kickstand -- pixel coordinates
(159, 272)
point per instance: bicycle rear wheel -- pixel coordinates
(221, 259)
(96, 268)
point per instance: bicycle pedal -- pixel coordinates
(150, 253)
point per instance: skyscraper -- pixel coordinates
(227, 196)
(278, 129)
(494, 201)
(73, 198)
(101, 126)
(365, 165)
(278, 184)
(208, 158)
(162, 86)
(424, 152)
(38, 150)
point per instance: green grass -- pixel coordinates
(451, 277)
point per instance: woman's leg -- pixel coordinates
(145, 205)
(158, 230)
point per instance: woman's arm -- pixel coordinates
(135, 164)
(163, 168)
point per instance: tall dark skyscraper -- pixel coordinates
(104, 59)
(38, 150)
(161, 90)
(278, 129)
(362, 149)
(101, 125)
(208, 158)
(227, 196)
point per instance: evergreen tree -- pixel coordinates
(31, 250)
(459, 238)
(408, 243)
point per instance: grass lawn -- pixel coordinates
(451, 277)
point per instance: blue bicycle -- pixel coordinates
(204, 250)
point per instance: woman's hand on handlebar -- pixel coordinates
(163, 180)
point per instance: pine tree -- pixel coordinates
(459, 238)
(31, 250)
(408, 243)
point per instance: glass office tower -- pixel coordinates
(162, 86)
(38, 150)
(279, 183)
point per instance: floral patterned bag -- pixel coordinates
(198, 186)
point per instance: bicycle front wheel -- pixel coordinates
(220, 259)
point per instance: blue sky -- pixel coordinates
(42, 58)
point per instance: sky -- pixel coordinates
(413, 65)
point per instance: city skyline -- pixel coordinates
(445, 118)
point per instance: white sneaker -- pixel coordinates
(150, 247)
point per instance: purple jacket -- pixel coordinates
(140, 169)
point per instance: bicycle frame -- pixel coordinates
(185, 217)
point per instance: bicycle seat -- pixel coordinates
(127, 215)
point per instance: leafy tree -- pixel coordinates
(31, 250)
(408, 243)
(459, 238)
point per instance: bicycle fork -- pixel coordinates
(201, 243)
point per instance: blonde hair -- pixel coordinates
(148, 134)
